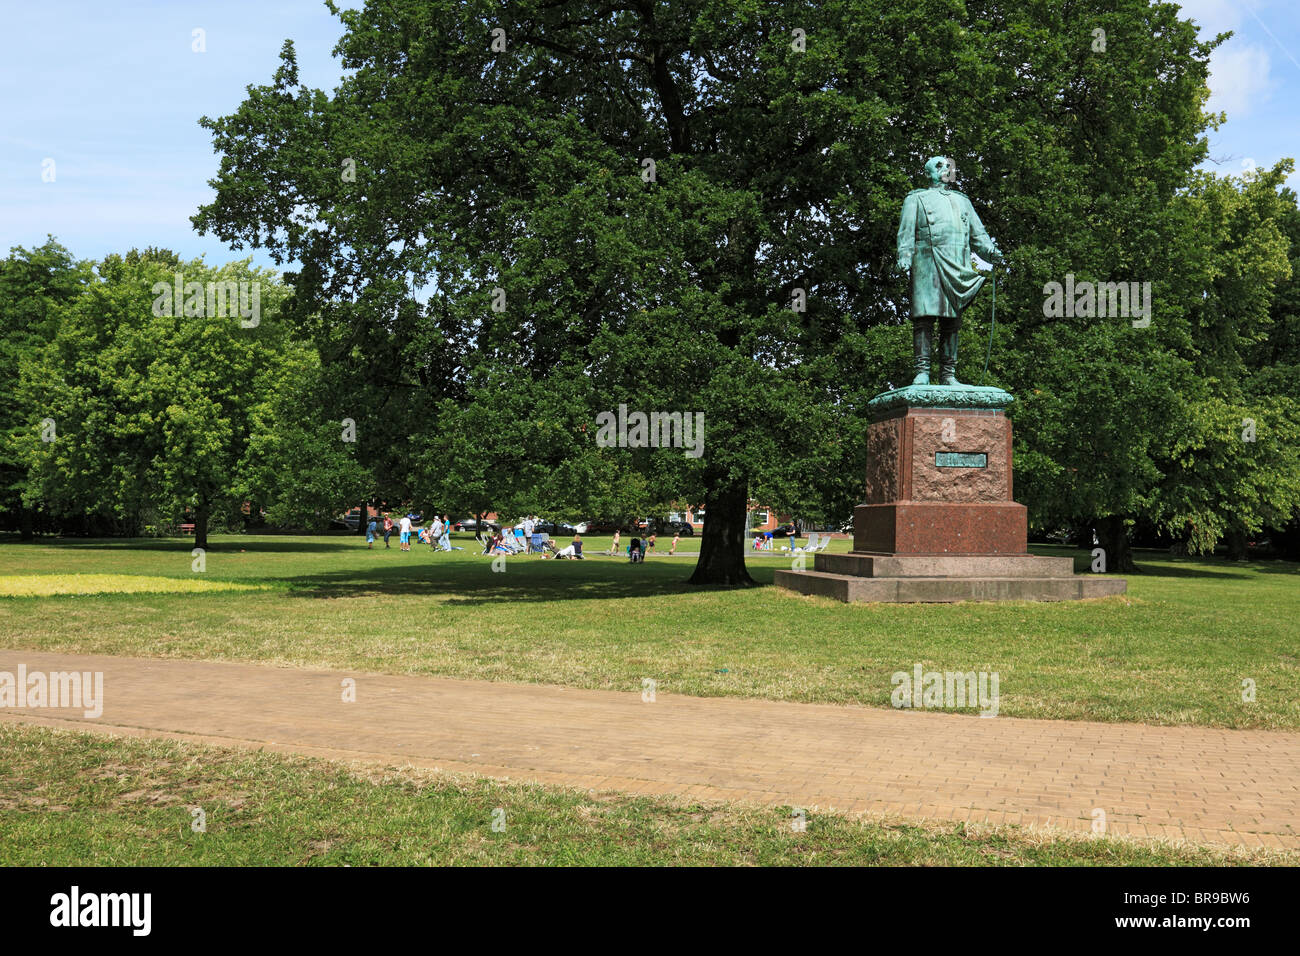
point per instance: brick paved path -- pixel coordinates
(1198, 784)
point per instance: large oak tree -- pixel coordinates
(639, 194)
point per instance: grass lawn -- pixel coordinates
(1174, 650)
(69, 799)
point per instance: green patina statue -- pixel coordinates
(937, 230)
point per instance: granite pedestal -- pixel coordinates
(938, 522)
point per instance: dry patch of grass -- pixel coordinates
(50, 585)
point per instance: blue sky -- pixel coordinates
(112, 92)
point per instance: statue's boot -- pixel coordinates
(948, 329)
(922, 334)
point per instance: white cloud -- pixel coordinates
(1212, 16)
(1239, 78)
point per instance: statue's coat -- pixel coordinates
(936, 232)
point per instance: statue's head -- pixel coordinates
(940, 169)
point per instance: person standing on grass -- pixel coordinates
(613, 548)
(388, 528)
(435, 532)
(444, 539)
(405, 527)
(528, 532)
(650, 541)
(371, 528)
(642, 544)
(673, 549)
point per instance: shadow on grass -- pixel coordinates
(1168, 566)
(1161, 564)
(525, 579)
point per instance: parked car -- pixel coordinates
(561, 528)
(663, 527)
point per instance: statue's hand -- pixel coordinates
(904, 266)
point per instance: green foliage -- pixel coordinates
(297, 460)
(34, 285)
(162, 405)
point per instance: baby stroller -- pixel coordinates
(634, 552)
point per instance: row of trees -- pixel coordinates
(126, 410)
(123, 410)
(510, 217)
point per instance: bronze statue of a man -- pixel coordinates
(935, 235)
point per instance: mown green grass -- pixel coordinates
(82, 799)
(1174, 650)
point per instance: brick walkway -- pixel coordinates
(1198, 784)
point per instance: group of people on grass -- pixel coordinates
(521, 539)
(638, 546)
(437, 535)
(524, 538)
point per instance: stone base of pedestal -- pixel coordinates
(941, 527)
(938, 523)
(942, 579)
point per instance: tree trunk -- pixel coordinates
(722, 543)
(26, 523)
(201, 526)
(478, 526)
(1287, 540)
(1113, 536)
(1236, 542)
(361, 517)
